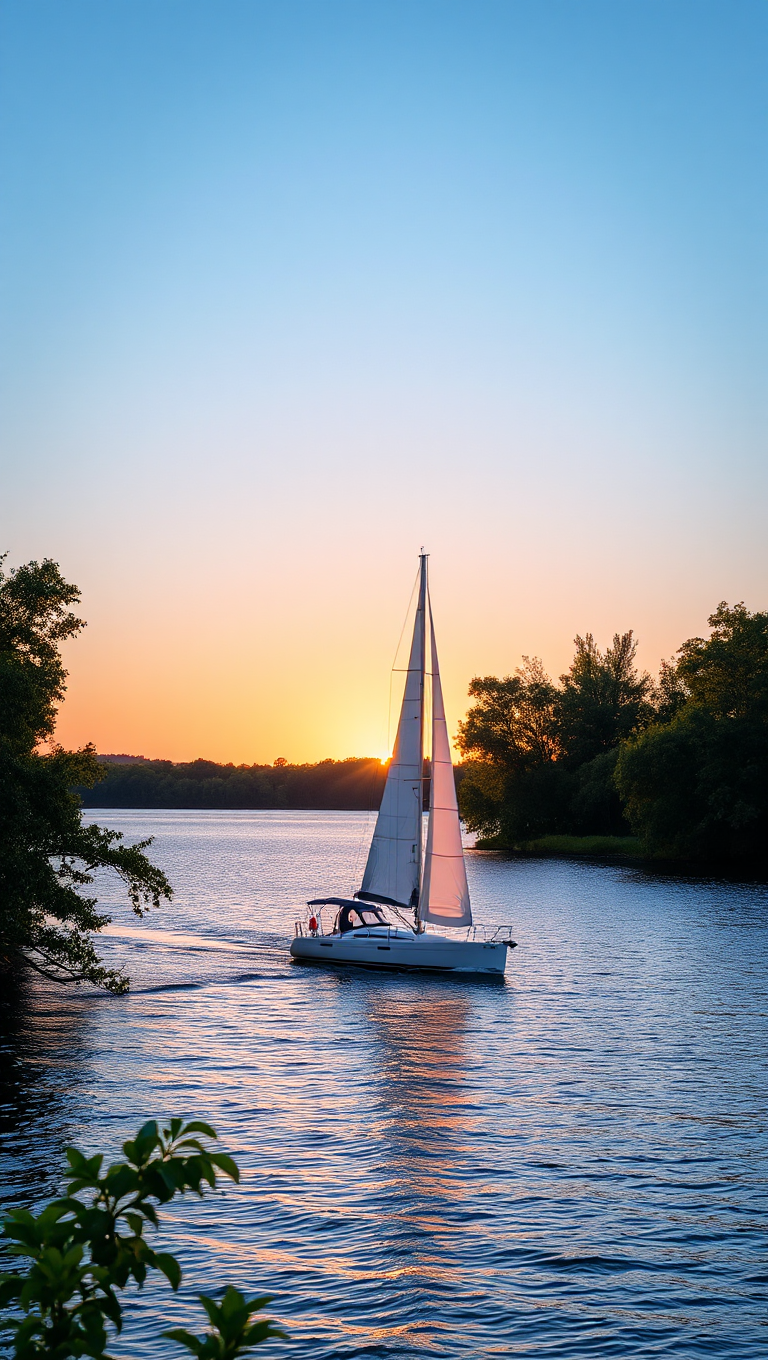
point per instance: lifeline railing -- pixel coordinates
(483, 934)
(478, 933)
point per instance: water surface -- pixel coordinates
(564, 1164)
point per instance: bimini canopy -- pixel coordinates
(378, 897)
(333, 902)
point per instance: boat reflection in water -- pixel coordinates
(425, 1115)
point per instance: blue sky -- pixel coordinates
(289, 289)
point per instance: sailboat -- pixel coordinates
(404, 878)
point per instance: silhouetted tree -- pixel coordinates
(603, 698)
(47, 855)
(514, 722)
(542, 756)
(697, 784)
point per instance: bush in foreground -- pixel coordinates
(85, 1252)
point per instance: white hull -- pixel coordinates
(402, 949)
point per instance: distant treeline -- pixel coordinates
(344, 785)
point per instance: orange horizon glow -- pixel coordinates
(311, 679)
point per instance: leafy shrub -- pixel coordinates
(85, 1251)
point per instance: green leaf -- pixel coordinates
(10, 1288)
(170, 1268)
(95, 1222)
(86, 1167)
(193, 1343)
(197, 1126)
(254, 1305)
(262, 1331)
(121, 1180)
(149, 1212)
(225, 1164)
(22, 1232)
(111, 1306)
(146, 1140)
(171, 1174)
(212, 1308)
(82, 1256)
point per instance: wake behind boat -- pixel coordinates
(401, 875)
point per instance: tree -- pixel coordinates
(513, 724)
(511, 740)
(47, 855)
(727, 675)
(595, 807)
(696, 786)
(542, 756)
(84, 1253)
(670, 692)
(603, 698)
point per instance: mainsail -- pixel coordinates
(393, 871)
(444, 895)
(394, 860)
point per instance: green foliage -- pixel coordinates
(513, 724)
(697, 785)
(233, 1330)
(47, 855)
(671, 693)
(571, 845)
(34, 621)
(512, 786)
(87, 1247)
(541, 756)
(603, 699)
(727, 675)
(684, 763)
(481, 796)
(595, 806)
(697, 788)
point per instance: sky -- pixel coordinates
(290, 288)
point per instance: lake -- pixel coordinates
(566, 1163)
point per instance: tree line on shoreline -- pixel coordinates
(681, 762)
(342, 785)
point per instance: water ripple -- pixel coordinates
(566, 1164)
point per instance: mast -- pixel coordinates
(422, 609)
